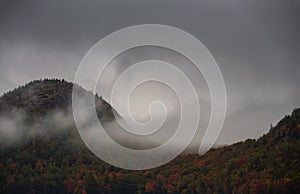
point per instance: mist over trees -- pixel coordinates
(59, 162)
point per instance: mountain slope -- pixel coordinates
(42, 107)
(40, 97)
(61, 163)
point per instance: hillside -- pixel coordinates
(42, 107)
(61, 163)
(40, 97)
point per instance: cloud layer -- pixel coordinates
(256, 45)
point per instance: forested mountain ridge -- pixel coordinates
(40, 97)
(61, 163)
(43, 107)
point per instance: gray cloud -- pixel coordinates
(256, 44)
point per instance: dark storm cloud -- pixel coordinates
(256, 44)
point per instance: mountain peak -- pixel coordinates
(39, 97)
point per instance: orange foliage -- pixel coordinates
(151, 186)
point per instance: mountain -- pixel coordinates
(43, 107)
(40, 97)
(61, 163)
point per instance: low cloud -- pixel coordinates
(15, 129)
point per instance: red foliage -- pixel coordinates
(260, 187)
(79, 176)
(151, 186)
(173, 178)
(107, 187)
(69, 187)
(240, 162)
(10, 179)
(224, 186)
(118, 175)
(202, 162)
(296, 131)
(191, 186)
(37, 164)
(160, 177)
(168, 187)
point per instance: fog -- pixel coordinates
(256, 44)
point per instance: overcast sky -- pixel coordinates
(256, 44)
